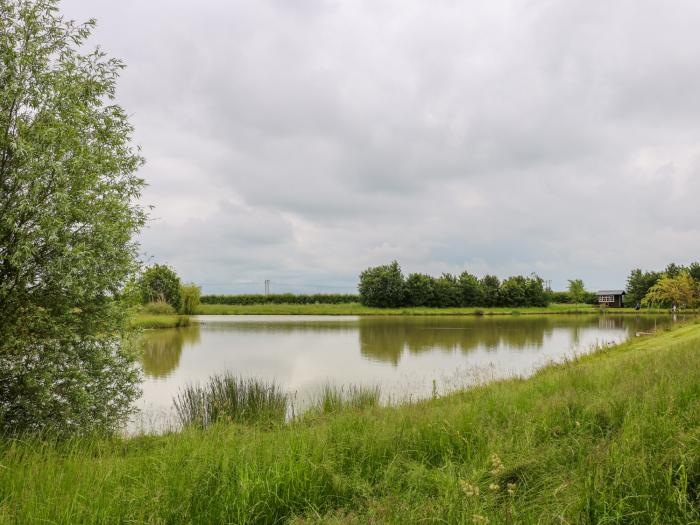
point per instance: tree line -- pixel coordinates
(387, 287)
(282, 298)
(676, 285)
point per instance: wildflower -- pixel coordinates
(496, 464)
(511, 488)
(578, 424)
(478, 518)
(494, 487)
(468, 489)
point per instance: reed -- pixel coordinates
(228, 398)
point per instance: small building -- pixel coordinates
(611, 298)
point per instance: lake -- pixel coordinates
(409, 357)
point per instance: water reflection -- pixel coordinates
(407, 356)
(387, 340)
(161, 349)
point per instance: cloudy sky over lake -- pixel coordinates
(303, 140)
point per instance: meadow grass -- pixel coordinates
(149, 321)
(611, 437)
(358, 309)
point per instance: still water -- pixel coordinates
(408, 357)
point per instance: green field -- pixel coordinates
(613, 437)
(358, 309)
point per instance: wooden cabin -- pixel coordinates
(611, 298)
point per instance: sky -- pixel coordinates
(302, 141)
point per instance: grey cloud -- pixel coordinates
(307, 140)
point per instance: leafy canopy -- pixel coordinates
(680, 290)
(160, 283)
(68, 215)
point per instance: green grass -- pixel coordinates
(612, 437)
(149, 321)
(232, 399)
(358, 309)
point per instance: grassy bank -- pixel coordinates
(358, 309)
(611, 438)
(149, 321)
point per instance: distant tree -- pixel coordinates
(68, 217)
(694, 271)
(681, 290)
(471, 290)
(420, 290)
(160, 283)
(577, 290)
(673, 270)
(513, 292)
(535, 294)
(489, 287)
(382, 286)
(447, 291)
(189, 298)
(638, 284)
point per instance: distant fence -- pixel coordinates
(283, 298)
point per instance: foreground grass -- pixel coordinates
(611, 438)
(151, 321)
(358, 309)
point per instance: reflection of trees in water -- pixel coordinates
(385, 339)
(161, 349)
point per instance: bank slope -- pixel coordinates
(611, 438)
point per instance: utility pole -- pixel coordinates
(267, 286)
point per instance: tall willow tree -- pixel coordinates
(68, 216)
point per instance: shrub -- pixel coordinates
(189, 298)
(69, 218)
(382, 286)
(489, 288)
(160, 283)
(471, 291)
(420, 290)
(447, 291)
(158, 308)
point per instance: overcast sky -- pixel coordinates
(302, 141)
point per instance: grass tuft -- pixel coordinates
(227, 398)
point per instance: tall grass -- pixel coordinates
(228, 398)
(610, 438)
(159, 321)
(335, 399)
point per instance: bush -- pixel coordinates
(383, 286)
(158, 308)
(471, 291)
(447, 291)
(189, 298)
(160, 283)
(420, 290)
(489, 288)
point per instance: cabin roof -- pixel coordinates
(610, 292)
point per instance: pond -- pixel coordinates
(407, 357)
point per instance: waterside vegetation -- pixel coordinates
(569, 445)
(358, 309)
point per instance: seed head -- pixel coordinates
(494, 487)
(469, 489)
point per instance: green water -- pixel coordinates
(408, 357)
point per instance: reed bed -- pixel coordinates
(228, 398)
